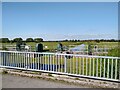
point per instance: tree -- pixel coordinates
(17, 40)
(29, 40)
(4, 40)
(38, 40)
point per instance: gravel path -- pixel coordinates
(12, 81)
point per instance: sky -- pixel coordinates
(60, 20)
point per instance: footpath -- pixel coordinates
(91, 83)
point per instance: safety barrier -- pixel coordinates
(97, 67)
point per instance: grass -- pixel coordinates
(53, 45)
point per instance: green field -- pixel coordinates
(53, 45)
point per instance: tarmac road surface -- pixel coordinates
(13, 81)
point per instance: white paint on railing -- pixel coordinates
(101, 67)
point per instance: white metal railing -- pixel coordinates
(98, 67)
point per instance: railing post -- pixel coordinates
(65, 65)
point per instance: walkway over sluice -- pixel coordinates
(97, 67)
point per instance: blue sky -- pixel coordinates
(57, 21)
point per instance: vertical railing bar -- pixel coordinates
(83, 65)
(33, 61)
(100, 65)
(116, 69)
(108, 69)
(41, 56)
(53, 62)
(63, 57)
(50, 63)
(80, 65)
(47, 63)
(56, 62)
(60, 62)
(7, 57)
(97, 68)
(25, 61)
(76, 65)
(29, 59)
(7, 61)
(90, 67)
(21, 60)
(86, 65)
(3, 59)
(112, 70)
(43, 62)
(104, 67)
(11, 59)
(17, 61)
(70, 65)
(15, 58)
(73, 64)
(38, 61)
(48, 58)
(93, 65)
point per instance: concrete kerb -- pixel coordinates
(71, 80)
